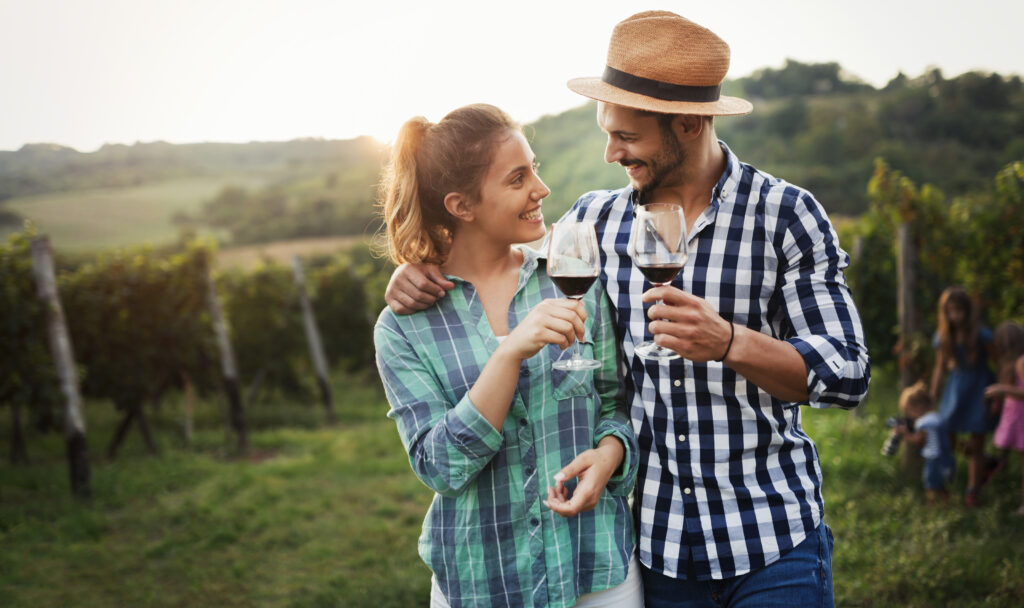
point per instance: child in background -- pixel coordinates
(962, 359)
(931, 437)
(1008, 393)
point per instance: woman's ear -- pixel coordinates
(458, 205)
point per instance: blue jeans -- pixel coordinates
(803, 577)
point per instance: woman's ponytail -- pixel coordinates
(408, 238)
(428, 162)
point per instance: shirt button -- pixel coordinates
(678, 383)
(534, 522)
(682, 438)
(522, 422)
(687, 490)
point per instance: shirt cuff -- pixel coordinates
(470, 432)
(827, 368)
(621, 481)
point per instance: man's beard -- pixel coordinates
(666, 163)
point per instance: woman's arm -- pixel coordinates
(449, 444)
(611, 465)
(551, 322)
(613, 417)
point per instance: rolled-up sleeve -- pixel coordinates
(448, 443)
(613, 419)
(827, 327)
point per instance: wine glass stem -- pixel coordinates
(576, 343)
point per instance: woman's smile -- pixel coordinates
(535, 216)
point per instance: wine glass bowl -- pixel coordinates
(573, 264)
(657, 245)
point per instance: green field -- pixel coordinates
(87, 220)
(320, 516)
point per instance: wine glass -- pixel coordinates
(657, 244)
(573, 264)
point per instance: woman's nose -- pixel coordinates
(542, 190)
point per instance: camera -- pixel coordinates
(892, 442)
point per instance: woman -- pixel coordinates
(485, 419)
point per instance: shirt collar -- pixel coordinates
(730, 180)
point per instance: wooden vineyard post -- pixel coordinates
(316, 348)
(64, 359)
(910, 459)
(236, 415)
(905, 301)
(190, 407)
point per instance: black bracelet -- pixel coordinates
(732, 334)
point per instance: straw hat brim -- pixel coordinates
(595, 88)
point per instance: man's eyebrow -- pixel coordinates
(622, 132)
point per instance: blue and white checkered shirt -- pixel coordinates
(728, 479)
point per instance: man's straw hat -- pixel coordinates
(661, 62)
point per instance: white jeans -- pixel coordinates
(627, 594)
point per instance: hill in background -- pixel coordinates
(812, 124)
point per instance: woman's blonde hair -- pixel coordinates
(428, 162)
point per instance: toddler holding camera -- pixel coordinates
(926, 430)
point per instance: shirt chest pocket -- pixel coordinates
(576, 383)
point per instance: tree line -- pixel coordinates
(813, 124)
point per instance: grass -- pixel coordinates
(329, 516)
(315, 516)
(87, 220)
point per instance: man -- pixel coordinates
(728, 498)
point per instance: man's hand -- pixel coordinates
(687, 324)
(415, 287)
(593, 468)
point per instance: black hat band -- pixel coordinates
(658, 89)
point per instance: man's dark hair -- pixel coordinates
(665, 120)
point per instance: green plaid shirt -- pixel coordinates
(487, 536)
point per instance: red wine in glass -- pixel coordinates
(573, 286)
(657, 244)
(660, 274)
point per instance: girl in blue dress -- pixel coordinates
(962, 359)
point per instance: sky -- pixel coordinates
(82, 73)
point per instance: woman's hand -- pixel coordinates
(556, 321)
(593, 468)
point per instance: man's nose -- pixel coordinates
(613, 152)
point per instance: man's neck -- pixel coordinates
(699, 174)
